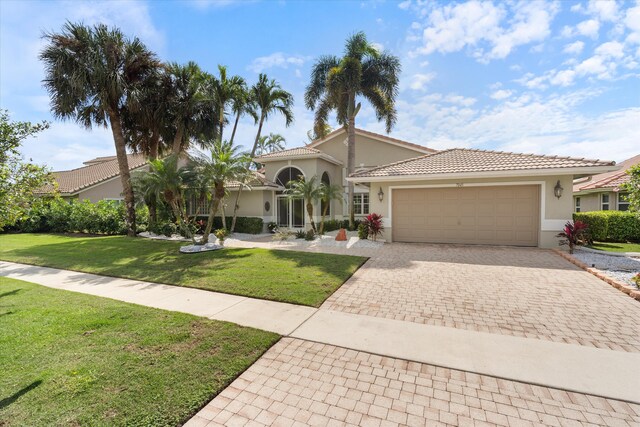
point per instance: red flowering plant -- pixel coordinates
(373, 225)
(574, 234)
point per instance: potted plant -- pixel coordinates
(221, 234)
(574, 234)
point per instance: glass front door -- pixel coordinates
(290, 212)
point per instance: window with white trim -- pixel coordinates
(361, 203)
(604, 202)
(623, 201)
(577, 204)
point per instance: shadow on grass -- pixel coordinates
(15, 396)
(13, 292)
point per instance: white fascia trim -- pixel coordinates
(545, 224)
(300, 157)
(492, 174)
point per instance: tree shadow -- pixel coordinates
(13, 292)
(15, 396)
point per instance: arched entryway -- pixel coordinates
(289, 212)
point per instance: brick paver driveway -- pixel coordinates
(530, 293)
(524, 292)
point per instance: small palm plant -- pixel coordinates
(326, 194)
(574, 234)
(307, 190)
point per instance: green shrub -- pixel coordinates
(244, 224)
(612, 226)
(310, 235)
(301, 234)
(61, 216)
(363, 231)
(164, 228)
(332, 225)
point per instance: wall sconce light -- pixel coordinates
(557, 190)
(380, 194)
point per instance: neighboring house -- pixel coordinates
(602, 192)
(458, 196)
(98, 180)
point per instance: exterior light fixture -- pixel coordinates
(380, 194)
(557, 190)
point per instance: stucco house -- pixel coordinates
(98, 179)
(603, 191)
(453, 196)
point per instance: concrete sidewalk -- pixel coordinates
(270, 316)
(581, 369)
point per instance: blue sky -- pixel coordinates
(532, 76)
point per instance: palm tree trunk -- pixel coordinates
(255, 143)
(235, 126)
(153, 155)
(351, 158)
(223, 216)
(310, 213)
(235, 210)
(324, 215)
(213, 208)
(125, 177)
(177, 140)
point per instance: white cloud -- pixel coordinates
(277, 59)
(419, 81)
(588, 28)
(563, 78)
(611, 49)
(404, 5)
(216, 4)
(484, 28)
(574, 48)
(501, 94)
(604, 10)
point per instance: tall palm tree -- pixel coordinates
(222, 90)
(309, 191)
(270, 143)
(90, 74)
(326, 194)
(242, 104)
(168, 181)
(270, 99)
(337, 83)
(223, 164)
(312, 136)
(193, 110)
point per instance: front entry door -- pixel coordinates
(290, 212)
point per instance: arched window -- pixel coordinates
(327, 181)
(288, 174)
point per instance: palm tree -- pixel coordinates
(326, 194)
(242, 104)
(270, 143)
(309, 191)
(222, 91)
(90, 74)
(269, 99)
(193, 110)
(213, 171)
(337, 83)
(168, 181)
(312, 136)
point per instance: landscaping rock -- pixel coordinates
(192, 249)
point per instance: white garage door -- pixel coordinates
(500, 215)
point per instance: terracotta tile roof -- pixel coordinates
(374, 135)
(297, 152)
(460, 160)
(608, 180)
(259, 180)
(72, 181)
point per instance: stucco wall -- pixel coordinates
(556, 211)
(111, 189)
(591, 201)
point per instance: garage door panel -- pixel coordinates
(502, 215)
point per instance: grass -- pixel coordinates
(616, 247)
(72, 359)
(296, 277)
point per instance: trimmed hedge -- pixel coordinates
(611, 226)
(244, 224)
(60, 216)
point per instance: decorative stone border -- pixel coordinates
(627, 289)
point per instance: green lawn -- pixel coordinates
(72, 359)
(296, 277)
(616, 247)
